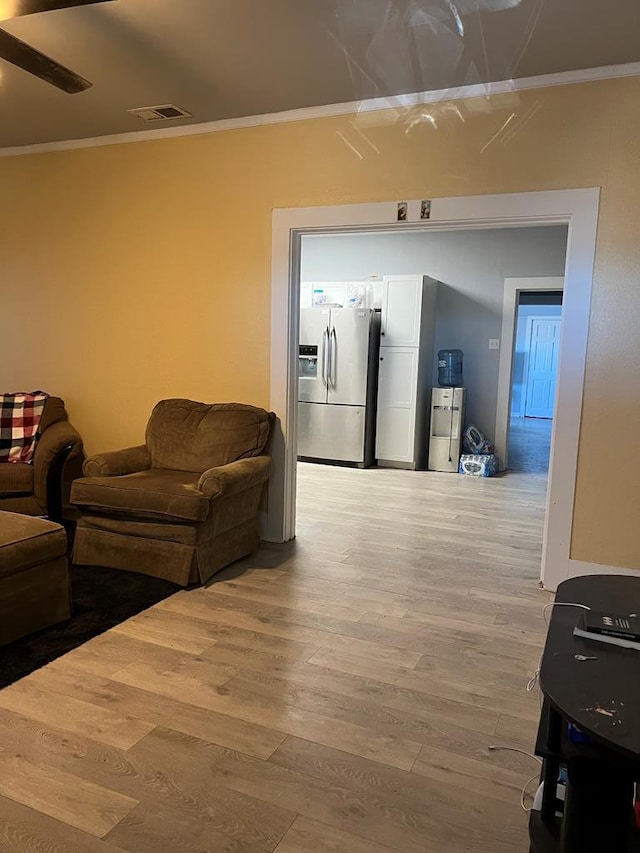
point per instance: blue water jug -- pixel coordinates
(450, 368)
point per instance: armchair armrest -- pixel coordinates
(235, 477)
(118, 462)
(57, 438)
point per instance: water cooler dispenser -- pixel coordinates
(447, 423)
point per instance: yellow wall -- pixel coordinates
(135, 272)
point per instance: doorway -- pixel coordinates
(536, 352)
(433, 290)
(577, 208)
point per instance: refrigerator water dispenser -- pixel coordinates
(308, 361)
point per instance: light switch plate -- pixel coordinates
(494, 343)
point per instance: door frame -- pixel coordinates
(576, 208)
(527, 361)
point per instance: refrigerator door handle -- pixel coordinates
(325, 344)
(333, 348)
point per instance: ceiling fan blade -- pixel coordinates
(18, 8)
(29, 59)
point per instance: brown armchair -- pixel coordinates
(42, 486)
(184, 504)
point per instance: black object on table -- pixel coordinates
(602, 698)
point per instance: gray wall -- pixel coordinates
(471, 265)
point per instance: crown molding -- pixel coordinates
(392, 102)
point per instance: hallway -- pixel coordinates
(530, 445)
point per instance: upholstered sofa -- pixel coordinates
(185, 503)
(42, 486)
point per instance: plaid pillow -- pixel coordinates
(19, 421)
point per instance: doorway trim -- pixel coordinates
(511, 293)
(577, 208)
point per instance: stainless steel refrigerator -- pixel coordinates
(337, 384)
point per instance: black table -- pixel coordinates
(602, 698)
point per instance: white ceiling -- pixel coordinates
(223, 59)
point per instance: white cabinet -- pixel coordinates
(401, 311)
(397, 380)
(406, 362)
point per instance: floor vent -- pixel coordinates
(165, 112)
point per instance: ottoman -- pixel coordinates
(34, 575)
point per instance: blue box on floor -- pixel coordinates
(478, 465)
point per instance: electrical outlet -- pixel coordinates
(494, 343)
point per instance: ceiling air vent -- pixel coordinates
(166, 112)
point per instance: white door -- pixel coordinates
(397, 380)
(543, 336)
(401, 309)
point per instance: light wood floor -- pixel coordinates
(335, 695)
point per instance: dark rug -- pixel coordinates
(101, 598)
